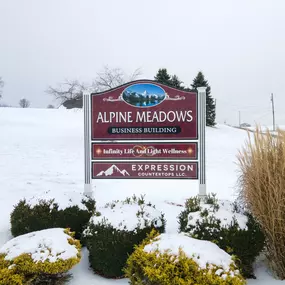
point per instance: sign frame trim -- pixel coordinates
(149, 178)
(145, 158)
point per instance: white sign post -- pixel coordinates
(202, 136)
(87, 145)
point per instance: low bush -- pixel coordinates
(9, 277)
(39, 257)
(178, 259)
(45, 214)
(113, 232)
(227, 225)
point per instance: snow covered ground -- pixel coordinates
(42, 150)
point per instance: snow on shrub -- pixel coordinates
(38, 256)
(113, 232)
(227, 225)
(52, 210)
(168, 259)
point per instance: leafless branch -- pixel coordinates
(112, 77)
(69, 89)
(108, 78)
(137, 73)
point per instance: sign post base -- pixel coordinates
(88, 190)
(202, 191)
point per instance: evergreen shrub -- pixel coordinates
(226, 224)
(26, 218)
(113, 232)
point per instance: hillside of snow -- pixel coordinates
(42, 150)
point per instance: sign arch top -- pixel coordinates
(144, 110)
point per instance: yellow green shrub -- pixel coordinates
(23, 269)
(4, 263)
(26, 266)
(156, 268)
(9, 277)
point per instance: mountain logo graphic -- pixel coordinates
(143, 95)
(113, 171)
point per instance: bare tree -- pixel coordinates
(68, 90)
(1, 86)
(137, 73)
(110, 78)
(24, 103)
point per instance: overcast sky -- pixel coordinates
(239, 45)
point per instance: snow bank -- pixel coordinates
(50, 244)
(203, 252)
(225, 214)
(124, 216)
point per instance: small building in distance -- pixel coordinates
(73, 103)
(245, 125)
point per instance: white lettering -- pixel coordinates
(117, 117)
(140, 117)
(169, 117)
(189, 115)
(100, 117)
(161, 116)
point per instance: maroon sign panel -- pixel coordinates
(144, 151)
(144, 110)
(144, 170)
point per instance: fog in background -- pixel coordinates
(239, 46)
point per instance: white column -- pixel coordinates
(87, 144)
(202, 137)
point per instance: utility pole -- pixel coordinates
(239, 123)
(273, 113)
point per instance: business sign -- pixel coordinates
(145, 130)
(144, 150)
(147, 170)
(144, 110)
